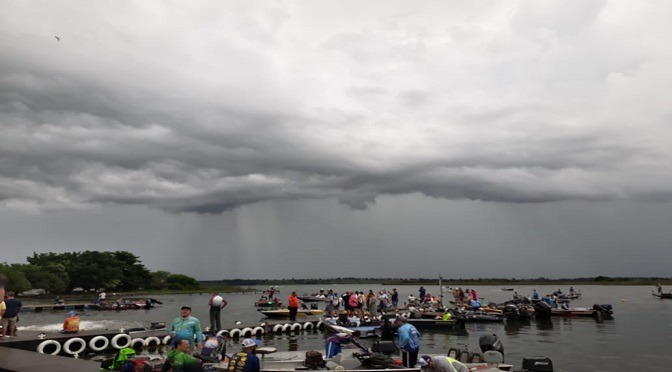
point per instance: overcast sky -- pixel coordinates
(227, 139)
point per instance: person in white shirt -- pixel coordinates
(216, 303)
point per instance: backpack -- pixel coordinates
(314, 360)
(119, 358)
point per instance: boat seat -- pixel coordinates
(492, 356)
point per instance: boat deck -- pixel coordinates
(22, 360)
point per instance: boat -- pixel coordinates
(662, 295)
(574, 311)
(265, 302)
(313, 298)
(596, 310)
(477, 316)
(515, 312)
(437, 324)
(385, 357)
(333, 325)
(349, 361)
(284, 313)
(507, 288)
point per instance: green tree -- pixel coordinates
(17, 281)
(158, 279)
(52, 278)
(179, 281)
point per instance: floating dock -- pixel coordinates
(95, 341)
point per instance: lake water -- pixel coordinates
(634, 340)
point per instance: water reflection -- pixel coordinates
(515, 327)
(544, 324)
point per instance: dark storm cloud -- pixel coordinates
(204, 109)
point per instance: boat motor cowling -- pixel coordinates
(490, 342)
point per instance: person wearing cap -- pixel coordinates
(245, 360)
(186, 326)
(441, 364)
(333, 345)
(180, 359)
(408, 342)
(71, 323)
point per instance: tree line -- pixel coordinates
(446, 281)
(58, 273)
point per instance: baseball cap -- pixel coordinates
(248, 342)
(423, 361)
(185, 308)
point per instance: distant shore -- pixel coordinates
(599, 280)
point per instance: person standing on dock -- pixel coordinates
(186, 326)
(11, 315)
(293, 306)
(408, 342)
(216, 303)
(395, 299)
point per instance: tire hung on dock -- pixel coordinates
(42, 347)
(99, 343)
(68, 346)
(121, 340)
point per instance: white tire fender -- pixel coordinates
(95, 343)
(259, 330)
(152, 342)
(247, 332)
(120, 341)
(44, 344)
(68, 346)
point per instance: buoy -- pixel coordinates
(116, 341)
(234, 333)
(277, 328)
(320, 325)
(167, 339)
(286, 327)
(99, 343)
(44, 344)
(308, 325)
(67, 346)
(152, 342)
(296, 327)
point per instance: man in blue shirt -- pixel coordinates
(186, 326)
(246, 360)
(10, 315)
(408, 342)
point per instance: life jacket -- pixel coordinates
(119, 359)
(71, 324)
(237, 362)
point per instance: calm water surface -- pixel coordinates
(635, 340)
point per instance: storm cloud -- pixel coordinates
(209, 106)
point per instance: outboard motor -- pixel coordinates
(490, 345)
(510, 312)
(537, 364)
(605, 309)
